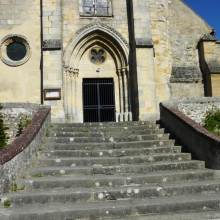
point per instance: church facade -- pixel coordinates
(105, 60)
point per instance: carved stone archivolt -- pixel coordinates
(99, 33)
(103, 26)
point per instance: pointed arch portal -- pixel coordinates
(80, 64)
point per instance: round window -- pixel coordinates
(97, 56)
(15, 50)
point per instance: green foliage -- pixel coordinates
(212, 120)
(85, 131)
(47, 133)
(22, 188)
(40, 149)
(37, 175)
(7, 203)
(3, 136)
(15, 187)
(23, 123)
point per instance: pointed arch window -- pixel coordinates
(97, 7)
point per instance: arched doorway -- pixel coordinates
(96, 52)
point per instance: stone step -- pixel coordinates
(109, 153)
(76, 134)
(105, 133)
(141, 128)
(109, 161)
(104, 124)
(109, 139)
(185, 215)
(113, 209)
(103, 181)
(109, 146)
(120, 169)
(118, 193)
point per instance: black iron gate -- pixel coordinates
(98, 100)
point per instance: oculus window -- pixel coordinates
(15, 50)
(97, 7)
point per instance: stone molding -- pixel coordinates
(144, 43)
(209, 37)
(185, 74)
(214, 66)
(95, 32)
(9, 39)
(106, 27)
(52, 44)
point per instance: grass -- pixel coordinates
(15, 188)
(85, 131)
(47, 133)
(40, 149)
(37, 175)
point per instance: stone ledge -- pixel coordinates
(52, 45)
(185, 74)
(26, 137)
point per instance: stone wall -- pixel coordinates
(159, 11)
(18, 156)
(202, 144)
(13, 113)
(52, 54)
(21, 83)
(194, 108)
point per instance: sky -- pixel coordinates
(209, 11)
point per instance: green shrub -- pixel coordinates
(23, 123)
(212, 120)
(3, 135)
(47, 133)
(7, 203)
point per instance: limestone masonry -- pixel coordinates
(105, 60)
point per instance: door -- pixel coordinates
(98, 100)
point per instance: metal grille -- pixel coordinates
(98, 100)
(100, 7)
(16, 51)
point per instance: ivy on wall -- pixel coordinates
(3, 135)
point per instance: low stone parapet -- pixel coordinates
(18, 156)
(202, 144)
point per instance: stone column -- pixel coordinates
(72, 97)
(124, 74)
(76, 74)
(66, 73)
(129, 95)
(121, 89)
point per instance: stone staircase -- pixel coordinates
(114, 171)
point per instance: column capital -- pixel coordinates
(119, 72)
(76, 72)
(124, 70)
